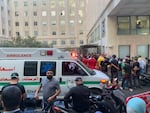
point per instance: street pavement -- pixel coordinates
(136, 90)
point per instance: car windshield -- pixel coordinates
(90, 71)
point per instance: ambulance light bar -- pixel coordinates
(74, 54)
(47, 52)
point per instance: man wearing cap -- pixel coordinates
(14, 81)
(80, 97)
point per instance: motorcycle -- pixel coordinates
(97, 105)
(145, 79)
(59, 106)
(112, 94)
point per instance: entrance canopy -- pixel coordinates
(131, 7)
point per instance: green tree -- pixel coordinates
(27, 42)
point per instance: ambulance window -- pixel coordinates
(71, 68)
(30, 68)
(46, 66)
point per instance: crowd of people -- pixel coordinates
(126, 70)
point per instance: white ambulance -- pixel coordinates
(32, 63)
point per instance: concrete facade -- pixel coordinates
(60, 23)
(5, 21)
(106, 30)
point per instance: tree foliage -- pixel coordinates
(27, 42)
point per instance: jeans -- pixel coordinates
(136, 81)
(48, 106)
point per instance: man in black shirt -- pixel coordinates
(136, 73)
(114, 68)
(80, 97)
(15, 82)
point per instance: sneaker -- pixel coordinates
(130, 89)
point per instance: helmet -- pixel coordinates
(136, 105)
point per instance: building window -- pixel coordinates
(44, 13)
(53, 23)
(62, 22)
(35, 33)
(72, 3)
(142, 50)
(72, 12)
(9, 22)
(63, 42)
(54, 42)
(26, 33)
(80, 21)
(35, 23)
(133, 25)
(53, 4)
(9, 33)
(8, 12)
(16, 23)
(81, 42)
(81, 2)
(3, 31)
(61, 3)
(44, 23)
(80, 12)
(25, 3)
(63, 33)
(44, 33)
(72, 42)
(16, 3)
(97, 33)
(54, 33)
(62, 13)
(142, 25)
(34, 2)
(17, 34)
(26, 24)
(34, 13)
(71, 21)
(53, 13)
(26, 13)
(123, 25)
(103, 28)
(124, 50)
(16, 13)
(44, 2)
(72, 33)
(81, 32)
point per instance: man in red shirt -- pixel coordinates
(92, 62)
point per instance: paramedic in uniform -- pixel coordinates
(50, 89)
